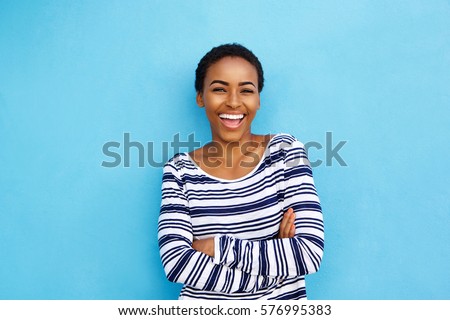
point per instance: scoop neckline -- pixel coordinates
(240, 178)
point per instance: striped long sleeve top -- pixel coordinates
(243, 216)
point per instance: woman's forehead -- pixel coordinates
(232, 67)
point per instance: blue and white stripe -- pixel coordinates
(243, 216)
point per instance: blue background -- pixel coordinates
(75, 75)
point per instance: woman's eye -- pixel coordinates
(219, 90)
(247, 91)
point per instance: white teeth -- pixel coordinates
(231, 116)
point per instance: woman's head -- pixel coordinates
(228, 87)
(222, 51)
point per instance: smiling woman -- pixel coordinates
(240, 217)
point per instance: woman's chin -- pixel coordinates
(233, 136)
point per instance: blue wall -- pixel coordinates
(75, 75)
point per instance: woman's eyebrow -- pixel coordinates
(220, 82)
(246, 82)
(226, 83)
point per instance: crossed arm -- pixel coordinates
(286, 230)
(185, 262)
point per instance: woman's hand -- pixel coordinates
(287, 227)
(205, 245)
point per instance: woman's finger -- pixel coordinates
(283, 224)
(287, 229)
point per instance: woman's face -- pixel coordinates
(231, 98)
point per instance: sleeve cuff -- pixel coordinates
(216, 250)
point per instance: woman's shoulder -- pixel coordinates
(284, 141)
(178, 162)
(285, 146)
(276, 139)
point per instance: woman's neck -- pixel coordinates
(233, 159)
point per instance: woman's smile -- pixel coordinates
(231, 120)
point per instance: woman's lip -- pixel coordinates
(231, 124)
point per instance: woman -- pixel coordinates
(240, 217)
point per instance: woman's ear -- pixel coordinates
(199, 99)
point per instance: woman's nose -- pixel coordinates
(233, 100)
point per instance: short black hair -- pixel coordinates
(222, 51)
